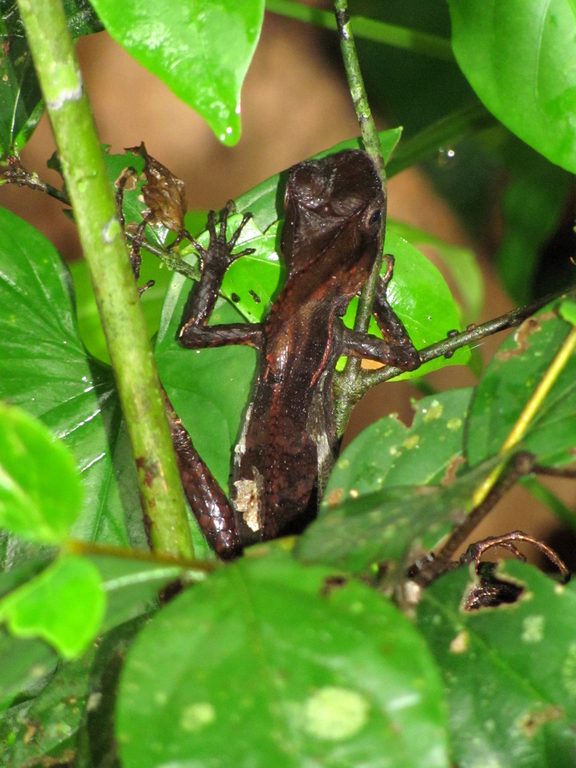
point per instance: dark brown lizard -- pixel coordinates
(335, 213)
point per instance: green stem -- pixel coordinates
(92, 199)
(356, 87)
(347, 382)
(89, 549)
(369, 29)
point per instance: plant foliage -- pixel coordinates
(115, 656)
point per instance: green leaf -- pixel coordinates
(45, 368)
(40, 489)
(20, 99)
(568, 311)
(391, 526)
(63, 605)
(25, 665)
(89, 326)
(82, 20)
(231, 672)
(387, 453)
(69, 721)
(514, 54)
(509, 382)
(51, 717)
(201, 51)
(252, 281)
(460, 263)
(420, 296)
(209, 388)
(510, 672)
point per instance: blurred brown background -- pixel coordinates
(295, 103)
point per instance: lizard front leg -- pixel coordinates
(214, 261)
(213, 510)
(396, 347)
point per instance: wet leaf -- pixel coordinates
(201, 51)
(514, 55)
(235, 662)
(393, 526)
(510, 672)
(45, 368)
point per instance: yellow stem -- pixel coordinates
(528, 413)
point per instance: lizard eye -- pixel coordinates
(375, 218)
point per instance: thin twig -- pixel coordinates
(453, 342)
(347, 383)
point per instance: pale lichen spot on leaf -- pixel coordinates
(485, 761)
(411, 442)
(533, 629)
(460, 643)
(38, 671)
(197, 716)
(434, 411)
(568, 671)
(334, 714)
(454, 424)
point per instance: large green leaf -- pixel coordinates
(518, 56)
(40, 490)
(392, 526)
(51, 717)
(266, 664)
(510, 672)
(509, 382)
(420, 296)
(25, 665)
(387, 453)
(459, 262)
(43, 729)
(132, 586)
(44, 367)
(63, 605)
(201, 50)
